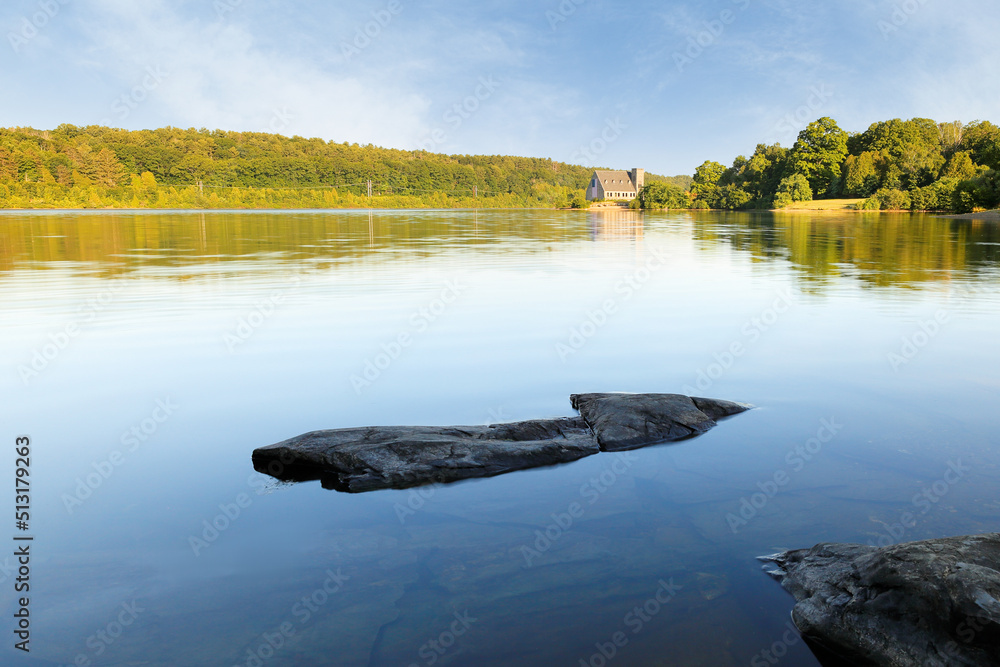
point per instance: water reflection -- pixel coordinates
(879, 250)
(616, 224)
(531, 277)
(125, 241)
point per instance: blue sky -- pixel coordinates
(660, 85)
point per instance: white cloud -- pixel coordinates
(265, 61)
(218, 78)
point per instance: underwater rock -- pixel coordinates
(935, 602)
(399, 457)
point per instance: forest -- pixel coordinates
(100, 167)
(917, 165)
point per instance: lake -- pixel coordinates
(147, 354)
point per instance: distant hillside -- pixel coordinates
(103, 167)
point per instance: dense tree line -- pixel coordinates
(916, 164)
(170, 167)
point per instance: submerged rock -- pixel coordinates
(930, 603)
(398, 457)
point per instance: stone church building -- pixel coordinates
(616, 185)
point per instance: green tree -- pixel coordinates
(911, 150)
(960, 166)
(8, 169)
(759, 175)
(796, 187)
(981, 192)
(818, 154)
(705, 184)
(888, 199)
(861, 174)
(732, 197)
(765, 170)
(982, 140)
(921, 164)
(662, 196)
(707, 176)
(105, 168)
(935, 197)
(64, 175)
(895, 136)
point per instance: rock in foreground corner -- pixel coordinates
(382, 457)
(930, 603)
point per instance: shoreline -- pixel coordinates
(274, 210)
(990, 216)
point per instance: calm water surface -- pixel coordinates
(147, 355)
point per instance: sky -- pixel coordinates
(660, 85)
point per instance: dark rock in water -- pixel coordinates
(399, 457)
(630, 421)
(718, 409)
(935, 602)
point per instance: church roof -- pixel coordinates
(619, 181)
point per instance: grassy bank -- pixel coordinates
(824, 205)
(157, 197)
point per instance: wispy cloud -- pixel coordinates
(268, 61)
(218, 77)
